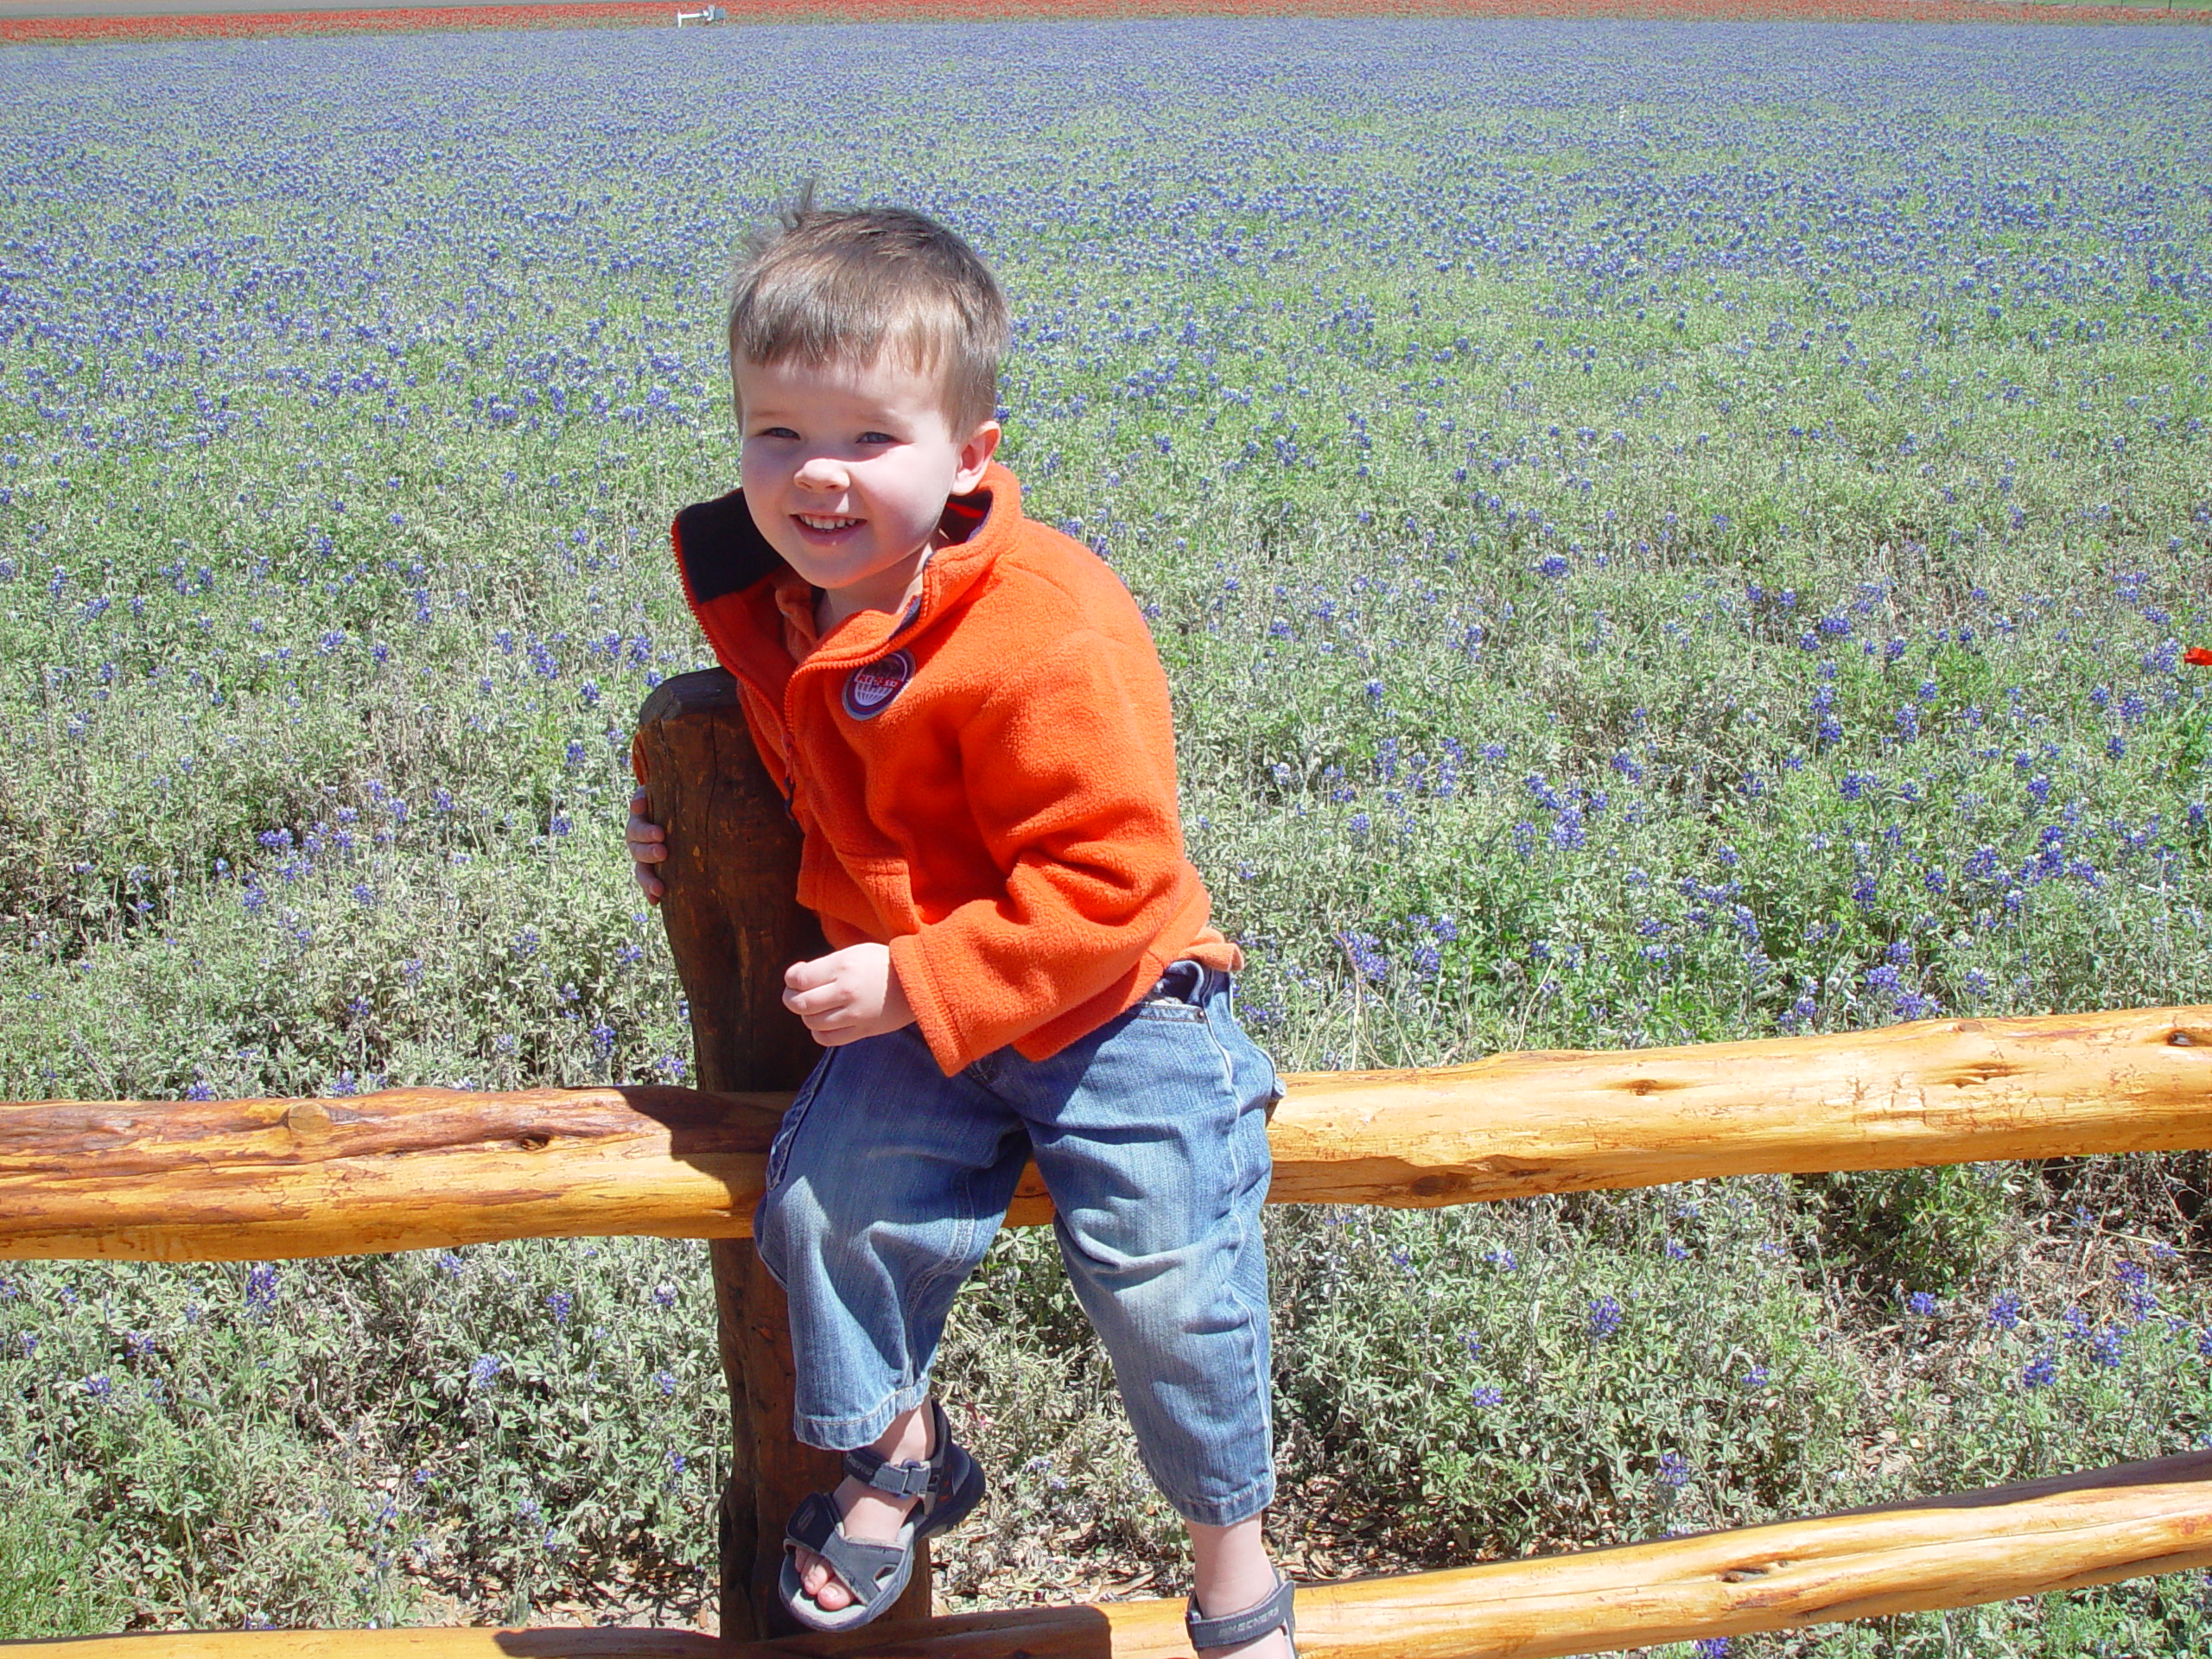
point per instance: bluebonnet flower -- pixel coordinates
(1604, 1318)
(1673, 1472)
(484, 1371)
(2041, 1372)
(1366, 958)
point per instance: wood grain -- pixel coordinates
(735, 924)
(414, 1169)
(1954, 1551)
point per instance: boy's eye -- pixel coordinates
(775, 432)
(877, 437)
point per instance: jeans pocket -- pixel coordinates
(779, 1149)
(1180, 993)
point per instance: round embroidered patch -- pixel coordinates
(869, 688)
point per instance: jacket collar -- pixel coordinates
(720, 552)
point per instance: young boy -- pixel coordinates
(971, 725)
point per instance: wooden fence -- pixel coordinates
(412, 1169)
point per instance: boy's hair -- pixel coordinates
(825, 286)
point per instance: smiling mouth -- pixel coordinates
(824, 523)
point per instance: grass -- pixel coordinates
(1658, 534)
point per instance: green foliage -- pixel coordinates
(51, 1582)
(1906, 1229)
(367, 1439)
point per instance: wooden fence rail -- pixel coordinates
(422, 1168)
(412, 1169)
(1952, 1551)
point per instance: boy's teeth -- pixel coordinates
(825, 523)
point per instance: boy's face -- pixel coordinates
(846, 468)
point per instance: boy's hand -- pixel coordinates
(648, 844)
(848, 994)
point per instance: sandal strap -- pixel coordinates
(907, 1478)
(910, 1477)
(866, 1568)
(1274, 1613)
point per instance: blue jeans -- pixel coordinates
(888, 1181)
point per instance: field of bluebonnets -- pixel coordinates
(1659, 533)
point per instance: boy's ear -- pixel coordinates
(976, 456)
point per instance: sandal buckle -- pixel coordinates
(908, 1478)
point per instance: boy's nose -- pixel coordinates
(821, 472)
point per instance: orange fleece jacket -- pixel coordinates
(985, 785)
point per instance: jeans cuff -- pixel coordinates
(861, 1428)
(1227, 1511)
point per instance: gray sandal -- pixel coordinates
(1274, 1613)
(949, 1484)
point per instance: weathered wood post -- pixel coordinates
(734, 925)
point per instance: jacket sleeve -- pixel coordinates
(1069, 772)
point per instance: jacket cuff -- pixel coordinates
(933, 1015)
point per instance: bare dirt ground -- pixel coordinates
(223, 7)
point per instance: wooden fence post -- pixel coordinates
(734, 925)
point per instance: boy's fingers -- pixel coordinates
(820, 1002)
(805, 976)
